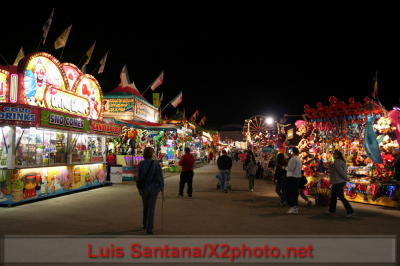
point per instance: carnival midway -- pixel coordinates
(60, 134)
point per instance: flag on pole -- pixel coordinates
(124, 76)
(194, 116)
(102, 63)
(156, 99)
(159, 80)
(184, 115)
(125, 81)
(46, 26)
(20, 55)
(374, 93)
(62, 39)
(89, 53)
(202, 121)
(177, 100)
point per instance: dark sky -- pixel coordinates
(234, 62)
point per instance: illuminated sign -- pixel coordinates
(145, 112)
(14, 114)
(63, 121)
(66, 102)
(41, 71)
(105, 128)
(72, 74)
(60, 87)
(118, 105)
(14, 88)
(88, 87)
(3, 85)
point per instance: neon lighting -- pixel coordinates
(14, 88)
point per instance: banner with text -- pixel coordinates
(62, 121)
(200, 249)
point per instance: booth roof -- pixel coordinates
(146, 125)
(125, 92)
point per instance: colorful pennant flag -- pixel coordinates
(194, 116)
(125, 81)
(62, 39)
(20, 55)
(156, 99)
(375, 90)
(161, 98)
(89, 53)
(159, 80)
(102, 63)
(177, 100)
(202, 121)
(124, 76)
(46, 26)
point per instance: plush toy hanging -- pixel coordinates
(370, 143)
(394, 116)
(132, 134)
(321, 109)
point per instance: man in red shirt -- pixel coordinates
(111, 159)
(187, 163)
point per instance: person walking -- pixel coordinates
(224, 164)
(251, 171)
(280, 177)
(210, 157)
(292, 185)
(150, 182)
(338, 178)
(302, 187)
(187, 163)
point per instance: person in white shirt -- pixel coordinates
(293, 176)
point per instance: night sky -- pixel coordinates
(231, 63)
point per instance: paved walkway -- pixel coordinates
(117, 210)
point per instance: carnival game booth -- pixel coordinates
(138, 135)
(53, 139)
(366, 134)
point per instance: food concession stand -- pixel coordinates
(53, 137)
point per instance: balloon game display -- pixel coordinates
(368, 137)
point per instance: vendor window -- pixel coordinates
(40, 147)
(87, 148)
(4, 145)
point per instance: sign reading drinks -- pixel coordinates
(63, 121)
(18, 115)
